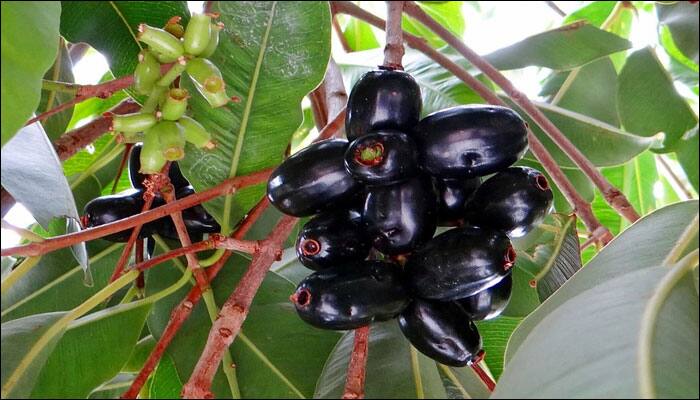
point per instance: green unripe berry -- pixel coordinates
(176, 70)
(130, 137)
(175, 104)
(165, 45)
(147, 72)
(172, 140)
(213, 39)
(174, 27)
(197, 34)
(130, 123)
(195, 133)
(152, 160)
(208, 81)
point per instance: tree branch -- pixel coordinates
(581, 207)
(341, 37)
(230, 185)
(393, 50)
(355, 377)
(612, 195)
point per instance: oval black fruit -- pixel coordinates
(488, 303)
(382, 158)
(137, 178)
(468, 141)
(312, 180)
(400, 217)
(383, 99)
(515, 201)
(453, 197)
(460, 263)
(441, 331)
(197, 220)
(352, 295)
(332, 239)
(106, 209)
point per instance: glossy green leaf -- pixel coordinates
(446, 13)
(359, 35)
(18, 337)
(61, 70)
(594, 13)
(25, 58)
(267, 352)
(643, 245)
(164, 382)
(271, 55)
(524, 298)
(138, 357)
(86, 22)
(589, 346)
(681, 67)
(93, 348)
(681, 18)
(666, 111)
(563, 48)
(494, 335)
(687, 153)
(114, 388)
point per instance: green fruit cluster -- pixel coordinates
(161, 124)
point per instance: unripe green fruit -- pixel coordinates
(172, 140)
(197, 34)
(152, 160)
(176, 70)
(195, 133)
(175, 104)
(146, 73)
(213, 39)
(207, 78)
(136, 122)
(130, 137)
(161, 42)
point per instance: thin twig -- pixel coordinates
(556, 8)
(582, 207)
(333, 127)
(341, 36)
(611, 194)
(393, 50)
(355, 377)
(679, 183)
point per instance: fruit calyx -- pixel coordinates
(509, 257)
(370, 154)
(310, 247)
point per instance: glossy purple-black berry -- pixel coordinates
(468, 141)
(312, 180)
(400, 217)
(332, 239)
(382, 158)
(460, 263)
(514, 201)
(383, 99)
(453, 197)
(352, 295)
(137, 178)
(488, 303)
(441, 331)
(106, 209)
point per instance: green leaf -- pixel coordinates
(273, 344)
(18, 337)
(646, 115)
(687, 153)
(681, 18)
(590, 345)
(359, 35)
(681, 67)
(140, 354)
(94, 107)
(271, 55)
(644, 245)
(25, 58)
(524, 298)
(62, 70)
(594, 13)
(114, 388)
(86, 22)
(495, 334)
(447, 13)
(394, 368)
(164, 382)
(563, 48)
(7, 264)
(93, 348)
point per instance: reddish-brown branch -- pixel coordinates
(582, 207)
(336, 96)
(6, 201)
(235, 310)
(341, 36)
(70, 142)
(122, 164)
(612, 195)
(393, 50)
(333, 127)
(226, 187)
(138, 258)
(318, 106)
(180, 313)
(483, 376)
(355, 377)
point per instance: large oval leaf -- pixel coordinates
(25, 58)
(271, 55)
(643, 245)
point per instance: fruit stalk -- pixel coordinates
(612, 195)
(235, 310)
(581, 207)
(393, 51)
(183, 310)
(355, 379)
(230, 185)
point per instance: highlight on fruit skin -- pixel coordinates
(489, 303)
